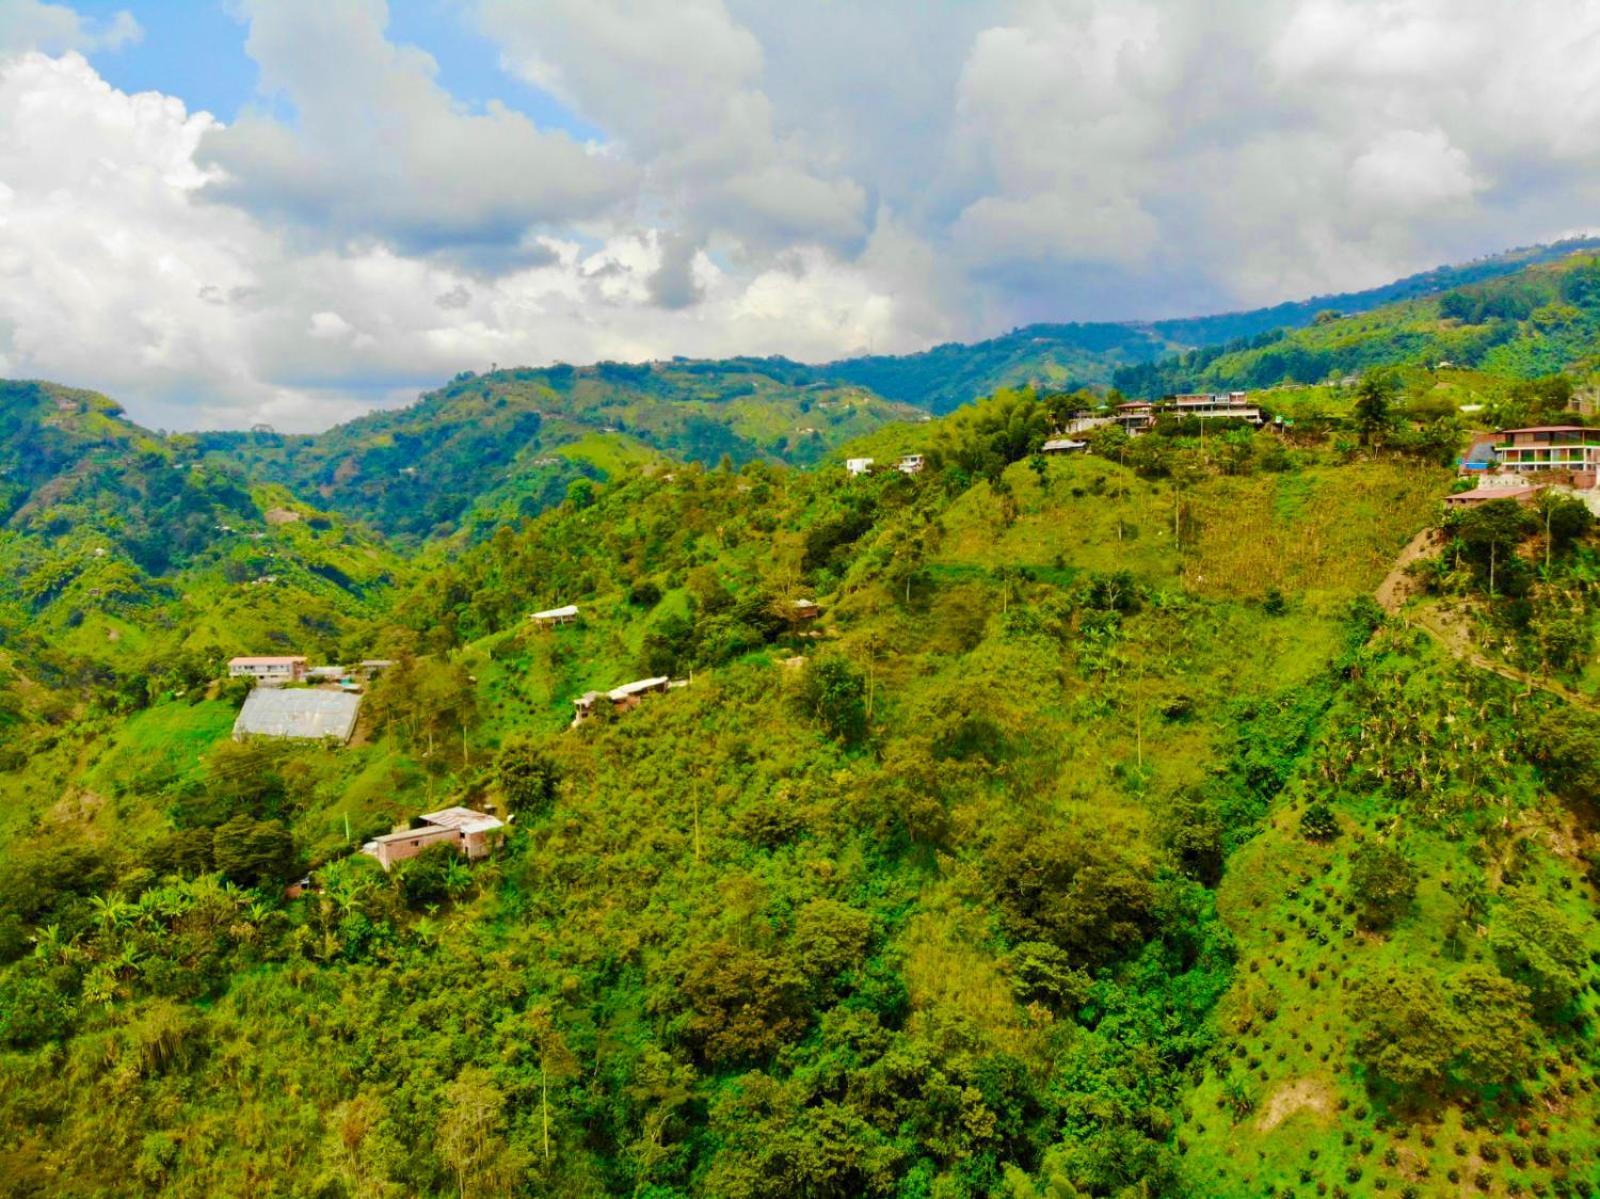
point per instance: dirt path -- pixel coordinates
(1397, 587)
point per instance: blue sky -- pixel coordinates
(573, 180)
(196, 50)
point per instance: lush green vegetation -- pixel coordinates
(1134, 354)
(1538, 321)
(1102, 837)
(507, 444)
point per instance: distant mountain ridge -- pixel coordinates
(1541, 319)
(509, 443)
(1071, 355)
(485, 450)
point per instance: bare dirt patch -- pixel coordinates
(1398, 585)
(1303, 1094)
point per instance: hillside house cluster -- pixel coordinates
(472, 834)
(1140, 416)
(282, 671)
(1517, 464)
(325, 708)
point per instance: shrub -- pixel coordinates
(1383, 882)
(1318, 823)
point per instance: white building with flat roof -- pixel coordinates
(268, 671)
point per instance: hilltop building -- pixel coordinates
(1135, 417)
(1233, 406)
(298, 714)
(469, 831)
(858, 466)
(1140, 416)
(268, 672)
(1516, 464)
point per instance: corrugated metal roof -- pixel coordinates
(556, 613)
(292, 712)
(247, 661)
(464, 819)
(637, 688)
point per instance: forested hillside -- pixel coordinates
(129, 566)
(1538, 321)
(508, 444)
(1071, 356)
(1101, 837)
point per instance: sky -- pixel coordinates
(293, 211)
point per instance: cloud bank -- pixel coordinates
(798, 179)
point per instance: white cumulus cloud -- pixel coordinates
(813, 180)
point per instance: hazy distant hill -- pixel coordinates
(489, 448)
(511, 442)
(1067, 356)
(1542, 318)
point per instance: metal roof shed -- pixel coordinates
(303, 715)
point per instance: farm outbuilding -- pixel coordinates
(467, 830)
(622, 698)
(555, 616)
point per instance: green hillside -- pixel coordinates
(1067, 357)
(130, 568)
(1102, 837)
(1539, 321)
(511, 442)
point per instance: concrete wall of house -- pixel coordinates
(390, 852)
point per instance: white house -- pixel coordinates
(858, 466)
(268, 672)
